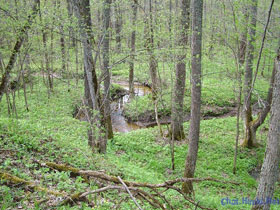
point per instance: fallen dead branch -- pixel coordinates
(114, 179)
(74, 172)
(130, 186)
(128, 191)
(8, 178)
(146, 196)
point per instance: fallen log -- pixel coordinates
(9, 178)
(114, 179)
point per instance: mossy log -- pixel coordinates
(9, 178)
(135, 186)
(74, 172)
(114, 179)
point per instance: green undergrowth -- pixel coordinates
(219, 95)
(48, 132)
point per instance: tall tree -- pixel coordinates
(243, 37)
(132, 50)
(179, 88)
(95, 139)
(70, 17)
(46, 54)
(118, 25)
(251, 125)
(249, 73)
(106, 71)
(153, 63)
(197, 12)
(270, 167)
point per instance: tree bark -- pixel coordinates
(243, 38)
(46, 56)
(20, 39)
(153, 64)
(70, 16)
(118, 26)
(179, 88)
(270, 167)
(132, 51)
(95, 139)
(62, 47)
(249, 140)
(106, 71)
(252, 126)
(195, 95)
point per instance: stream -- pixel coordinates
(119, 122)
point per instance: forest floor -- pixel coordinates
(49, 133)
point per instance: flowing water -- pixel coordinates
(119, 122)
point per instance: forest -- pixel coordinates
(140, 104)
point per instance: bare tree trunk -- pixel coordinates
(153, 64)
(239, 78)
(118, 26)
(195, 95)
(243, 38)
(2, 68)
(62, 46)
(22, 76)
(46, 56)
(252, 125)
(249, 138)
(70, 16)
(77, 63)
(132, 51)
(95, 139)
(106, 72)
(179, 89)
(270, 167)
(20, 39)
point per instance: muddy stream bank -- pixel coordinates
(121, 124)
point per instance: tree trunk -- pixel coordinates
(95, 139)
(249, 140)
(243, 38)
(270, 167)
(2, 68)
(106, 72)
(118, 26)
(70, 16)
(62, 46)
(20, 38)
(253, 125)
(179, 88)
(132, 51)
(46, 56)
(195, 95)
(153, 64)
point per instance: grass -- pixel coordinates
(49, 133)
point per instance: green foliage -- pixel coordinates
(138, 155)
